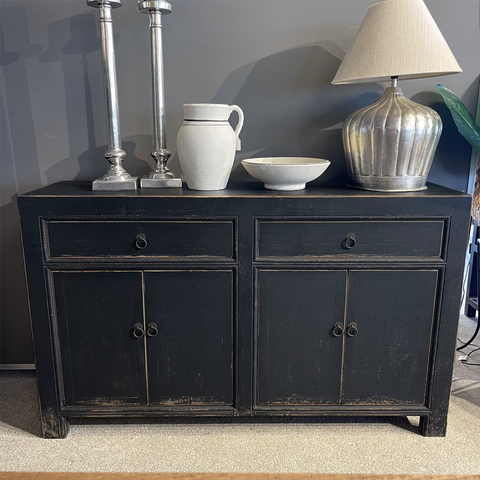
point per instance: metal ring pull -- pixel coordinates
(350, 241)
(138, 331)
(141, 241)
(337, 330)
(152, 329)
(352, 329)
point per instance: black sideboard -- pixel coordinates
(243, 302)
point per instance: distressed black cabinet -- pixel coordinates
(386, 362)
(98, 361)
(243, 302)
(190, 359)
(299, 359)
(369, 346)
(178, 353)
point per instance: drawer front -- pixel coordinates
(110, 239)
(304, 240)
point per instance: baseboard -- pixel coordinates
(17, 366)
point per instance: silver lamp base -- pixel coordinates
(388, 184)
(390, 145)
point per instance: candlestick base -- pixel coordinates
(160, 176)
(114, 185)
(165, 182)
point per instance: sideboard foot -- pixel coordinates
(54, 425)
(433, 426)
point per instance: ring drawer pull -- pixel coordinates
(141, 241)
(337, 330)
(138, 331)
(352, 329)
(152, 329)
(350, 240)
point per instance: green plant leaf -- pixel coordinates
(477, 118)
(463, 120)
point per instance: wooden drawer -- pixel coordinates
(111, 239)
(309, 240)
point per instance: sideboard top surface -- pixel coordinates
(236, 190)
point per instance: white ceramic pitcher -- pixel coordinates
(206, 144)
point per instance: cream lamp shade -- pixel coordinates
(397, 38)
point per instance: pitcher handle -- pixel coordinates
(238, 128)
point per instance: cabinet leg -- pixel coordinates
(54, 425)
(433, 426)
(470, 311)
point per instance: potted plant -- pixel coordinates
(470, 129)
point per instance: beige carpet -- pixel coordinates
(219, 476)
(340, 445)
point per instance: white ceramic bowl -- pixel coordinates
(285, 173)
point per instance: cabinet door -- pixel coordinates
(190, 359)
(101, 361)
(298, 358)
(387, 361)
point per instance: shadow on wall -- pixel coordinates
(16, 48)
(92, 163)
(20, 172)
(70, 41)
(291, 108)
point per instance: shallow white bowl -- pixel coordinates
(285, 173)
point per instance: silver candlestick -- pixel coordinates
(160, 176)
(117, 177)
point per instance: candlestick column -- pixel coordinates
(160, 176)
(117, 178)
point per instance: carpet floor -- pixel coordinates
(337, 445)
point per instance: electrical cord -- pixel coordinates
(473, 337)
(465, 280)
(467, 272)
(465, 358)
(472, 344)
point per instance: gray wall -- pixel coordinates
(274, 58)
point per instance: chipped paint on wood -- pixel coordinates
(54, 425)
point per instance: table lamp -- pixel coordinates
(390, 145)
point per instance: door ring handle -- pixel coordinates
(352, 329)
(337, 330)
(138, 331)
(141, 241)
(350, 241)
(152, 329)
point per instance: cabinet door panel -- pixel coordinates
(190, 360)
(102, 363)
(298, 358)
(387, 361)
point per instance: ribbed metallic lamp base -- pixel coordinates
(388, 184)
(390, 145)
